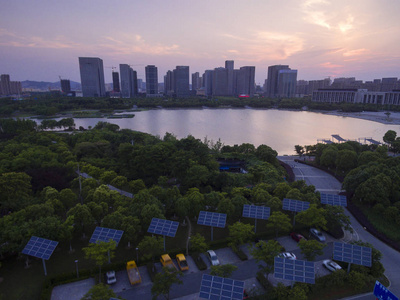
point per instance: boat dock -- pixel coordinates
(338, 139)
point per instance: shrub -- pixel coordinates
(239, 252)
(263, 280)
(151, 268)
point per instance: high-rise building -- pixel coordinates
(5, 84)
(229, 65)
(129, 84)
(196, 82)
(151, 80)
(115, 79)
(65, 85)
(220, 82)
(245, 81)
(272, 79)
(181, 81)
(92, 76)
(287, 81)
(169, 83)
(208, 82)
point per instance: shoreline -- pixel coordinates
(380, 117)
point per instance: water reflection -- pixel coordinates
(278, 129)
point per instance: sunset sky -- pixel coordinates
(40, 40)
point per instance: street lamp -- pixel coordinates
(137, 255)
(77, 271)
(187, 246)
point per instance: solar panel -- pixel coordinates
(212, 219)
(163, 227)
(332, 199)
(105, 235)
(294, 270)
(256, 212)
(39, 247)
(214, 287)
(354, 254)
(295, 205)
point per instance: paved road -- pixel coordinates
(326, 183)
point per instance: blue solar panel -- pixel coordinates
(294, 270)
(40, 248)
(352, 254)
(256, 212)
(163, 227)
(295, 205)
(105, 235)
(212, 219)
(214, 287)
(332, 199)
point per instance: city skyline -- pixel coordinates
(319, 38)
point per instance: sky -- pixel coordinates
(42, 40)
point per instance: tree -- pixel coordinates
(15, 191)
(226, 206)
(266, 252)
(312, 217)
(82, 217)
(198, 243)
(100, 252)
(239, 233)
(223, 270)
(163, 282)
(151, 246)
(99, 292)
(335, 215)
(310, 249)
(299, 150)
(390, 136)
(346, 160)
(279, 222)
(328, 157)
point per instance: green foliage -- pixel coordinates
(198, 243)
(240, 233)
(100, 252)
(223, 270)
(151, 246)
(311, 249)
(266, 251)
(279, 222)
(99, 292)
(163, 282)
(312, 217)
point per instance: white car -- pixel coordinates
(110, 277)
(212, 257)
(331, 265)
(287, 255)
(318, 235)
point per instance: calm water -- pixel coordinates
(278, 129)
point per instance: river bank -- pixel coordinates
(380, 117)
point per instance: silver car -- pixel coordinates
(331, 265)
(317, 234)
(212, 257)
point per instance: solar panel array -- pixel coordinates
(332, 199)
(163, 227)
(214, 287)
(105, 235)
(294, 270)
(39, 247)
(212, 219)
(256, 212)
(295, 205)
(353, 254)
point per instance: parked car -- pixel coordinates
(297, 236)
(331, 265)
(110, 277)
(318, 235)
(287, 255)
(212, 257)
(182, 263)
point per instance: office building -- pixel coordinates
(115, 79)
(151, 80)
(388, 84)
(129, 82)
(65, 85)
(245, 81)
(92, 77)
(208, 82)
(272, 80)
(5, 84)
(181, 81)
(169, 83)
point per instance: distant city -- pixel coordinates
(227, 81)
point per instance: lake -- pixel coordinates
(279, 129)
